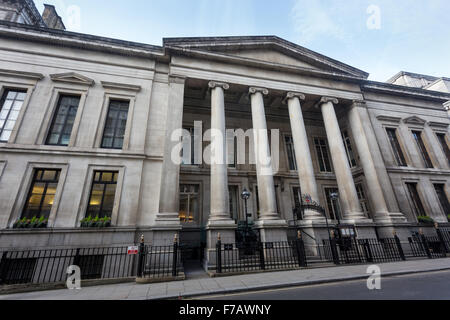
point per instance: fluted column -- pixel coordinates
(220, 211)
(351, 208)
(302, 152)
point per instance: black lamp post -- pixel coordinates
(245, 195)
(335, 197)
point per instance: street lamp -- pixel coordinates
(335, 197)
(245, 195)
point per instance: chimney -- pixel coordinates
(51, 18)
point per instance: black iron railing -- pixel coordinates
(430, 247)
(256, 256)
(49, 266)
(159, 261)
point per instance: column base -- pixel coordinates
(227, 230)
(389, 217)
(311, 215)
(272, 230)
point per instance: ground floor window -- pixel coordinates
(362, 199)
(332, 204)
(233, 192)
(103, 191)
(189, 204)
(41, 194)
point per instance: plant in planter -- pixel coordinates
(104, 222)
(33, 223)
(96, 222)
(425, 219)
(42, 222)
(448, 218)
(21, 223)
(85, 223)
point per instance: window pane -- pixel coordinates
(21, 96)
(3, 114)
(17, 105)
(5, 135)
(7, 105)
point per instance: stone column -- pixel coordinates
(219, 218)
(302, 152)
(167, 221)
(351, 209)
(359, 124)
(272, 228)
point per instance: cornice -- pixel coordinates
(405, 91)
(120, 86)
(21, 74)
(72, 77)
(384, 118)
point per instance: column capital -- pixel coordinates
(253, 90)
(359, 103)
(324, 100)
(447, 105)
(215, 84)
(291, 95)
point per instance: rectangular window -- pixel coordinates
(10, 105)
(189, 204)
(322, 154)
(116, 122)
(188, 150)
(417, 135)
(442, 196)
(349, 149)
(362, 199)
(103, 192)
(398, 154)
(443, 141)
(233, 192)
(415, 198)
(297, 201)
(63, 120)
(332, 205)
(291, 153)
(231, 151)
(42, 194)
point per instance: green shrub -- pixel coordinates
(33, 223)
(425, 219)
(96, 222)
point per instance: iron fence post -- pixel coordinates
(425, 244)
(141, 256)
(367, 250)
(219, 254)
(175, 256)
(334, 251)
(300, 246)
(441, 239)
(399, 247)
(261, 255)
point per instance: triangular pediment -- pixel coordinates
(269, 50)
(414, 120)
(72, 77)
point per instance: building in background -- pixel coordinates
(86, 125)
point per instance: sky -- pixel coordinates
(381, 37)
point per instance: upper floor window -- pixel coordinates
(188, 150)
(103, 192)
(442, 196)
(398, 154)
(297, 202)
(232, 149)
(290, 153)
(41, 194)
(423, 150)
(10, 105)
(415, 199)
(63, 120)
(349, 149)
(233, 193)
(443, 141)
(116, 122)
(322, 155)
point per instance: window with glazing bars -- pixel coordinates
(41, 194)
(415, 198)
(349, 149)
(63, 120)
(332, 204)
(442, 196)
(398, 154)
(103, 191)
(322, 155)
(417, 135)
(290, 153)
(10, 105)
(362, 198)
(116, 122)
(443, 141)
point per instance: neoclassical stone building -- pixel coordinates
(86, 128)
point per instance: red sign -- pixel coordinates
(133, 250)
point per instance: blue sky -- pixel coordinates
(409, 35)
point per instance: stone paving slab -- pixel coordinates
(237, 283)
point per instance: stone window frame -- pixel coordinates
(368, 201)
(422, 197)
(107, 97)
(292, 194)
(56, 92)
(25, 185)
(400, 140)
(284, 135)
(3, 164)
(190, 127)
(352, 145)
(325, 204)
(441, 130)
(317, 156)
(29, 89)
(240, 209)
(445, 183)
(420, 126)
(84, 203)
(200, 200)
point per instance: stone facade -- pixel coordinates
(332, 126)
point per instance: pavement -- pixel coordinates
(201, 286)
